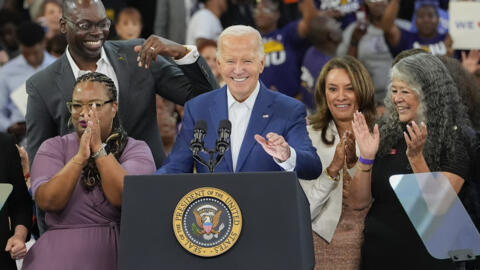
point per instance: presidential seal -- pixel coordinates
(207, 222)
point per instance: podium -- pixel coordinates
(276, 226)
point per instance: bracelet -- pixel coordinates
(101, 152)
(362, 169)
(334, 179)
(365, 161)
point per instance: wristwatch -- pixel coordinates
(101, 152)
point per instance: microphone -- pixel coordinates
(199, 132)
(223, 140)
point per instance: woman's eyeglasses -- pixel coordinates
(77, 107)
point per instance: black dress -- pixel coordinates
(19, 204)
(390, 240)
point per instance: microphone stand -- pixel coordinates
(212, 162)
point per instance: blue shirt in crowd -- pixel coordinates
(12, 75)
(313, 62)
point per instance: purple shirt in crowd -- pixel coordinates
(284, 50)
(313, 62)
(411, 40)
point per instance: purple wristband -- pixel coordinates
(365, 161)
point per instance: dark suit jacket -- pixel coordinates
(272, 112)
(49, 89)
(19, 204)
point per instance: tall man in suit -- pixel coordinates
(86, 27)
(268, 128)
(140, 69)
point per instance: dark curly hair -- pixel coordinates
(118, 138)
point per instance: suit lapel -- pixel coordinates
(261, 114)
(119, 62)
(219, 111)
(65, 78)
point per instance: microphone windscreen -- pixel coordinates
(225, 124)
(201, 124)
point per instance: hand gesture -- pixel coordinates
(24, 159)
(276, 146)
(470, 61)
(415, 139)
(156, 45)
(359, 31)
(350, 150)
(84, 149)
(367, 142)
(16, 247)
(338, 158)
(94, 124)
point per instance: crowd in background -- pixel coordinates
(305, 43)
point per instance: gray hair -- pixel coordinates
(440, 107)
(240, 30)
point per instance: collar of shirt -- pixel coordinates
(103, 66)
(249, 102)
(76, 70)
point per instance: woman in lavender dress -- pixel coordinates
(78, 180)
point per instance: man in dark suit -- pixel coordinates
(268, 128)
(86, 27)
(140, 69)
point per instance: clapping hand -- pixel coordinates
(275, 145)
(367, 142)
(415, 139)
(94, 124)
(350, 150)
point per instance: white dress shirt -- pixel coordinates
(239, 115)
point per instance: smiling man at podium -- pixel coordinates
(268, 128)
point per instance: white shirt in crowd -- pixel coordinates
(203, 24)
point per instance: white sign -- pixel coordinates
(464, 25)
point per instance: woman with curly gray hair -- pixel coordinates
(422, 94)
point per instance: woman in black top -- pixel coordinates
(422, 95)
(18, 207)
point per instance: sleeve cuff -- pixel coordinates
(190, 57)
(289, 164)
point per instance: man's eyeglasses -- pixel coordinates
(77, 107)
(88, 25)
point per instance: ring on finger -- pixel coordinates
(152, 48)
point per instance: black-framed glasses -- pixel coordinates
(76, 107)
(88, 25)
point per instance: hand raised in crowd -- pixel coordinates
(350, 150)
(276, 146)
(415, 139)
(16, 247)
(359, 31)
(470, 61)
(367, 142)
(155, 46)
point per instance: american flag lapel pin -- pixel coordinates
(265, 116)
